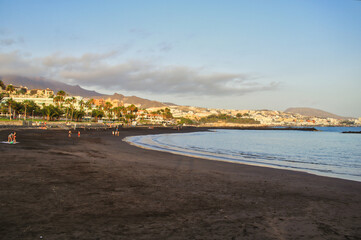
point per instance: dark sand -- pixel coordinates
(99, 187)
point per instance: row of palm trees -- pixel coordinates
(65, 106)
(25, 108)
(99, 112)
(29, 108)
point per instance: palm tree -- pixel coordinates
(118, 112)
(125, 112)
(47, 111)
(10, 103)
(89, 103)
(26, 103)
(57, 112)
(72, 100)
(97, 114)
(51, 112)
(108, 107)
(82, 104)
(59, 98)
(133, 108)
(61, 93)
(79, 114)
(130, 110)
(29, 106)
(167, 114)
(67, 101)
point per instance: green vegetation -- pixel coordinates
(10, 88)
(5, 120)
(347, 122)
(2, 85)
(78, 115)
(97, 114)
(165, 113)
(69, 109)
(13, 108)
(51, 112)
(186, 121)
(228, 119)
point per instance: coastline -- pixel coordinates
(225, 159)
(158, 143)
(98, 186)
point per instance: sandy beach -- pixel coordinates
(100, 187)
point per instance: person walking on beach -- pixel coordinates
(14, 137)
(78, 134)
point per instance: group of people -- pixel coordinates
(12, 137)
(69, 133)
(116, 132)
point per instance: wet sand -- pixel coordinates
(99, 187)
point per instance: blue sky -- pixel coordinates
(224, 54)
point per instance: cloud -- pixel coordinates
(140, 33)
(133, 75)
(10, 41)
(86, 60)
(7, 42)
(146, 77)
(15, 63)
(165, 47)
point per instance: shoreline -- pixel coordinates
(212, 157)
(98, 186)
(62, 124)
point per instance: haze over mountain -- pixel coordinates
(145, 103)
(42, 83)
(312, 112)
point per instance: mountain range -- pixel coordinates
(43, 83)
(312, 112)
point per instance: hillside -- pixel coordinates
(312, 112)
(42, 83)
(145, 103)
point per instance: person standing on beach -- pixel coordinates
(10, 137)
(69, 133)
(14, 137)
(78, 134)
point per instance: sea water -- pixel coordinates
(327, 152)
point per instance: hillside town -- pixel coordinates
(19, 102)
